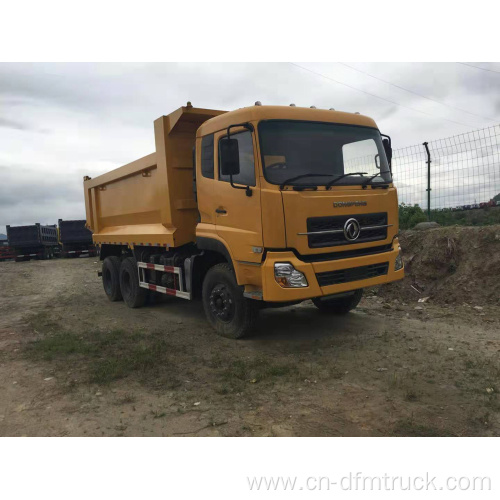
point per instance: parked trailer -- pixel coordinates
(33, 242)
(75, 239)
(258, 207)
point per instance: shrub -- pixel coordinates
(410, 216)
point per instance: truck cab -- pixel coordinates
(280, 204)
(310, 188)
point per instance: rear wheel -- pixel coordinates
(133, 295)
(227, 310)
(111, 278)
(341, 305)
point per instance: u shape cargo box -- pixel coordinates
(32, 236)
(150, 201)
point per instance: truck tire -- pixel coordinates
(227, 310)
(111, 278)
(338, 306)
(133, 295)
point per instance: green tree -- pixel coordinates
(410, 216)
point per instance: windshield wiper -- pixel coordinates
(333, 181)
(296, 178)
(369, 180)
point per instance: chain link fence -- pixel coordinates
(463, 173)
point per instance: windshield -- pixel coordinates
(293, 149)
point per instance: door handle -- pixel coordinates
(220, 211)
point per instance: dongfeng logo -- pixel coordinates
(351, 229)
(350, 204)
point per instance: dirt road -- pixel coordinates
(73, 363)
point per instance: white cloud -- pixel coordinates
(59, 122)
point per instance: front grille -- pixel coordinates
(336, 223)
(352, 274)
(345, 254)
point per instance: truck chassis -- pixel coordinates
(89, 251)
(45, 253)
(177, 275)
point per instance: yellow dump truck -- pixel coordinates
(262, 206)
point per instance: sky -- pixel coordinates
(61, 121)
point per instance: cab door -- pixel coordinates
(238, 218)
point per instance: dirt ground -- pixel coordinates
(73, 364)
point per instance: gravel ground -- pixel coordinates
(73, 363)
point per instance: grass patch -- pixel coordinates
(43, 322)
(158, 414)
(411, 394)
(480, 379)
(235, 375)
(60, 345)
(256, 370)
(410, 428)
(126, 399)
(336, 373)
(105, 356)
(480, 418)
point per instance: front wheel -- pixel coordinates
(227, 310)
(341, 305)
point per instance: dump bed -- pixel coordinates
(74, 231)
(150, 201)
(31, 236)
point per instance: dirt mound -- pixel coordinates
(451, 265)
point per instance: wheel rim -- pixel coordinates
(222, 303)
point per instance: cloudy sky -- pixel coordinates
(59, 122)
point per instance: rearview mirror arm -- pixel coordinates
(248, 126)
(389, 160)
(248, 190)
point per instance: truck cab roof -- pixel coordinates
(258, 113)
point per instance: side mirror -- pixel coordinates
(229, 156)
(388, 151)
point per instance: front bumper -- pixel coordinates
(272, 292)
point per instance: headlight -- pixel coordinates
(398, 263)
(288, 277)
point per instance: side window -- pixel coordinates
(207, 156)
(247, 164)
